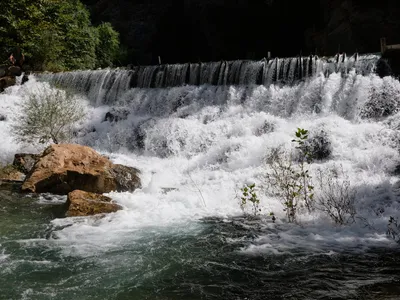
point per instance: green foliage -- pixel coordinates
(48, 115)
(304, 188)
(249, 195)
(54, 35)
(292, 182)
(107, 46)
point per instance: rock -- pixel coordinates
(67, 167)
(266, 127)
(82, 203)
(24, 162)
(10, 173)
(2, 117)
(10, 178)
(15, 71)
(25, 78)
(320, 146)
(116, 114)
(3, 71)
(5, 82)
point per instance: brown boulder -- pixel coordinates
(10, 173)
(67, 167)
(82, 203)
(25, 162)
(5, 82)
(10, 178)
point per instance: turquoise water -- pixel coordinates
(201, 260)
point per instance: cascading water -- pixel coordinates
(199, 132)
(108, 85)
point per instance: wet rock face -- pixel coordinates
(82, 203)
(64, 168)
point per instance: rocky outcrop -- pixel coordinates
(82, 203)
(64, 168)
(25, 162)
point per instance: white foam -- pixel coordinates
(193, 166)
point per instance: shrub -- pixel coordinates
(283, 183)
(48, 115)
(291, 181)
(335, 196)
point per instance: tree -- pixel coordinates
(48, 115)
(107, 46)
(54, 35)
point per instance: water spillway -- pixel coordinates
(111, 83)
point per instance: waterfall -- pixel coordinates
(199, 132)
(108, 85)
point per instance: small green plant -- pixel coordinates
(250, 195)
(289, 181)
(304, 187)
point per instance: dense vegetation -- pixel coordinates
(56, 35)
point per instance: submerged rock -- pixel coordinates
(82, 203)
(320, 146)
(116, 114)
(67, 167)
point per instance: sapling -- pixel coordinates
(291, 181)
(250, 195)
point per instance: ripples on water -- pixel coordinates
(208, 259)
